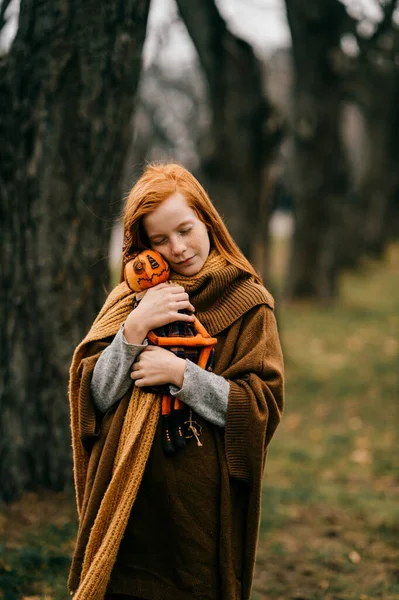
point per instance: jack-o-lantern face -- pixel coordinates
(145, 270)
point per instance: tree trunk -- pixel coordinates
(392, 220)
(387, 217)
(67, 92)
(376, 89)
(319, 165)
(378, 186)
(244, 132)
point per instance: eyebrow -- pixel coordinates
(185, 222)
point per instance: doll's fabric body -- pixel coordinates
(177, 420)
(194, 344)
(185, 331)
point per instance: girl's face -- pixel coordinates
(177, 233)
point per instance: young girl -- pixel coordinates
(185, 526)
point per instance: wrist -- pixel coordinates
(134, 331)
(178, 372)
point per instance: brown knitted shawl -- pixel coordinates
(221, 294)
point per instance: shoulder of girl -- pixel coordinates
(264, 296)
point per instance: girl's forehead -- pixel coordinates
(171, 213)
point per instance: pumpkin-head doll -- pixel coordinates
(146, 269)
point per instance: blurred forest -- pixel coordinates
(297, 142)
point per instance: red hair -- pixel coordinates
(160, 181)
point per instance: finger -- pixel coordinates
(141, 383)
(184, 317)
(137, 376)
(186, 299)
(181, 296)
(158, 350)
(160, 286)
(184, 305)
(151, 348)
(137, 371)
(176, 289)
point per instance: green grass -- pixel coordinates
(330, 518)
(36, 542)
(42, 557)
(330, 524)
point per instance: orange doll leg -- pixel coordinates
(173, 437)
(178, 424)
(166, 405)
(166, 418)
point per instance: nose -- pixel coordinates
(177, 245)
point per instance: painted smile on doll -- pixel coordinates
(146, 270)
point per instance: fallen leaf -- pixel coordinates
(355, 423)
(354, 557)
(361, 456)
(292, 422)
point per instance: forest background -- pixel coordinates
(288, 113)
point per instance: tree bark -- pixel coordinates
(319, 165)
(392, 220)
(379, 184)
(245, 130)
(373, 83)
(67, 95)
(382, 213)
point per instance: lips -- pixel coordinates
(183, 262)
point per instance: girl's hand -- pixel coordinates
(159, 306)
(157, 366)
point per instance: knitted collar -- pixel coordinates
(222, 293)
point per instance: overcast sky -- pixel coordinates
(261, 22)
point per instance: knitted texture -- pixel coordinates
(222, 293)
(219, 292)
(113, 313)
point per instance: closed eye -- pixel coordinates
(159, 242)
(184, 231)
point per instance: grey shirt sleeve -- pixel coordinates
(111, 375)
(204, 392)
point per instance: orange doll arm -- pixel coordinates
(201, 339)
